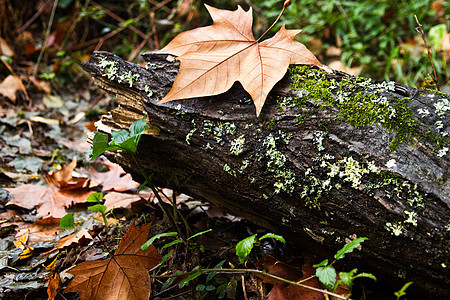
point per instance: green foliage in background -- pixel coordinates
(378, 36)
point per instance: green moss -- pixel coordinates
(356, 106)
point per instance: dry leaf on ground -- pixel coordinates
(284, 291)
(115, 179)
(214, 57)
(62, 191)
(9, 86)
(75, 238)
(120, 200)
(123, 276)
(45, 230)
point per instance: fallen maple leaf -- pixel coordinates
(63, 190)
(214, 57)
(44, 230)
(120, 200)
(123, 276)
(114, 179)
(284, 291)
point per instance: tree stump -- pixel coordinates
(332, 157)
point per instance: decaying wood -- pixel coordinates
(201, 147)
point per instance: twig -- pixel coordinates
(254, 272)
(420, 30)
(117, 18)
(47, 34)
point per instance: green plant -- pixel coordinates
(96, 198)
(178, 240)
(67, 221)
(127, 141)
(400, 293)
(327, 274)
(244, 247)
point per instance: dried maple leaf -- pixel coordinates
(284, 291)
(120, 200)
(63, 190)
(123, 276)
(214, 57)
(114, 179)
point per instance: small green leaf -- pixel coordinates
(98, 208)
(165, 257)
(212, 274)
(347, 277)
(365, 275)
(186, 280)
(138, 127)
(95, 197)
(167, 283)
(327, 275)
(177, 241)
(158, 236)
(273, 236)
(402, 292)
(321, 264)
(67, 221)
(210, 288)
(99, 145)
(142, 187)
(198, 233)
(119, 136)
(244, 247)
(221, 291)
(349, 247)
(200, 288)
(130, 144)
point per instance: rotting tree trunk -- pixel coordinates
(358, 158)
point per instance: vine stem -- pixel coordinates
(154, 190)
(258, 272)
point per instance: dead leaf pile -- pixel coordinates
(214, 57)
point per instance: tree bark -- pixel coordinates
(359, 158)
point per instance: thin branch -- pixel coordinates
(420, 30)
(254, 272)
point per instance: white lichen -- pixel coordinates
(237, 145)
(109, 67)
(318, 139)
(442, 152)
(396, 228)
(442, 106)
(411, 217)
(189, 135)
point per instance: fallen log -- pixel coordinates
(332, 157)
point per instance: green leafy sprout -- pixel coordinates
(128, 141)
(327, 273)
(244, 247)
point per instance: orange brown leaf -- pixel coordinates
(214, 57)
(123, 276)
(62, 191)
